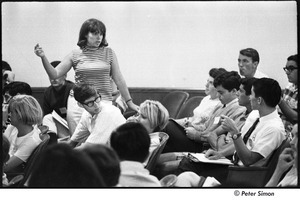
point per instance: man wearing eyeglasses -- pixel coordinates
(97, 121)
(288, 104)
(248, 61)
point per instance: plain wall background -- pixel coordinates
(158, 44)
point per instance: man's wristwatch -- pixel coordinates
(236, 136)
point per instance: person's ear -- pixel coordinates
(255, 64)
(259, 100)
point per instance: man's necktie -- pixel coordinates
(245, 139)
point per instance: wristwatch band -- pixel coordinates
(236, 136)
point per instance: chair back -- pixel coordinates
(156, 153)
(188, 107)
(173, 102)
(274, 159)
(33, 157)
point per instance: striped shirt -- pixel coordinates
(93, 65)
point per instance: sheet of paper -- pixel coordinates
(201, 157)
(60, 119)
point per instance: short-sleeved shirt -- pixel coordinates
(266, 137)
(290, 96)
(57, 100)
(22, 147)
(93, 65)
(98, 128)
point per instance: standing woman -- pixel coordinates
(93, 63)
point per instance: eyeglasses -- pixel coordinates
(92, 103)
(289, 68)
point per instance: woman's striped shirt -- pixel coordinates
(93, 65)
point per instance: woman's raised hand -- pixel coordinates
(39, 51)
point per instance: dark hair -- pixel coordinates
(269, 89)
(83, 91)
(252, 53)
(5, 66)
(55, 63)
(5, 149)
(228, 80)
(59, 165)
(107, 162)
(93, 26)
(214, 72)
(293, 58)
(131, 141)
(247, 83)
(16, 87)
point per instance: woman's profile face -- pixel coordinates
(209, 87)
(94, 39)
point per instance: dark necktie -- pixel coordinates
(245, 139)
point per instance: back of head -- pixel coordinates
(269, 89)
(17, 87)
(247, 83)
(59, 165)
(27, 108)
(228, 80)
(156, 113)
(293, 58)
(107, 162)
(250, 52)
(131, 141)
(5, 66)
(214, 72)
(83, 91)
(5, 149)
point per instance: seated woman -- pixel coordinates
(287, 159)
(201, 113)
(23, 132)
(154, 117)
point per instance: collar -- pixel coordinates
(234, 101)
(270, 116)
(128, 165)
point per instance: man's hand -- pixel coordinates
(228, 124)
(213, 155)
(191, 132)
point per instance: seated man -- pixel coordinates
(131, 141)
(56, 99)
(223, 141)
(227, 85)
(288, 104)
(98, 119)
(168, 162)
(256, 142)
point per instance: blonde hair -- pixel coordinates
(27, 108)
(156, 113)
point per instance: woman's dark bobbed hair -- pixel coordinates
(93, 26)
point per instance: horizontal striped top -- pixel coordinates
(93, 65)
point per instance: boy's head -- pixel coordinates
(227, 85)
(131, 141)
(265, 91)
(107, 162)
(245, 91)
(87, 97)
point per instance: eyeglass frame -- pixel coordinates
(92, 103)
(289, 68)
